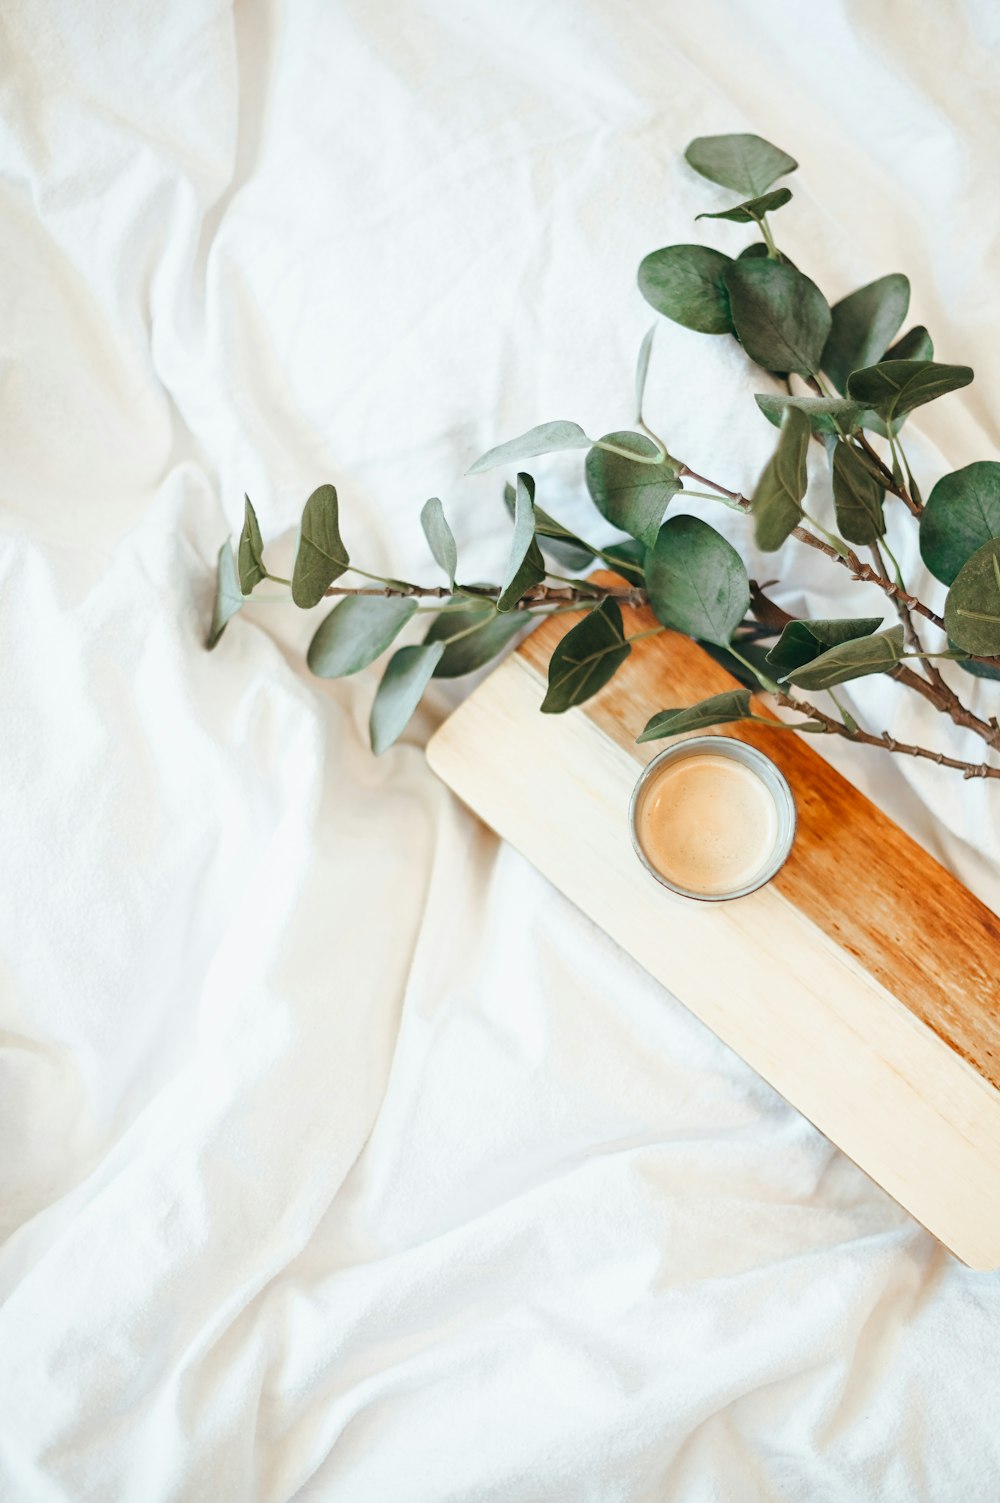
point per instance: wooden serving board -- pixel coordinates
(862, 983)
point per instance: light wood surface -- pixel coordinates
(861, 983)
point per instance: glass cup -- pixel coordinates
(757, 763)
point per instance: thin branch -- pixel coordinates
(849, 560)
(888, 479)
(885, 741)
(940, 694)
(585, 594)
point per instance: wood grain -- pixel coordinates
(853, 871)
(860, 982)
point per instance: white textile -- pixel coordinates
(340, 1158)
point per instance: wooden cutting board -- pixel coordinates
(862, 983)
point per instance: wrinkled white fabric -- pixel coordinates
(340, 1158)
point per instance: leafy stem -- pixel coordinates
(765, 230)
(884, 741)
(848, 376)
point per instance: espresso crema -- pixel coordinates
(707, 823)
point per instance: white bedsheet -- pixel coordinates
(340, 1158)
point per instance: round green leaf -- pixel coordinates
(547, 438)
(961, 515)
(696, 580)
(685, 283)
(803, 642)
(406, 677)
(642, 369)
(776, 501)
(857, 497)
(633, 497)
(895, 387)
(758, 251)
(479, 647)
(585, 659)
(826, 414)
(781, 318)
(852, 659)
(525, 565)
(250, 552)
(745, 163)
(563, 545)
(228, 595)
(916, 344)
(863, 326)
(629, 559)
(752, 210)
(972, 609)
(978, 670)
(721, 709)
(356, 632)
(321, 557)
(440, 538)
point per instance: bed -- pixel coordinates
(341, 1160)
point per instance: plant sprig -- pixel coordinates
(857, 389)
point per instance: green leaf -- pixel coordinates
(781, 318)
(972, 609)
(978, 670)
(525, 564)
(803, 642)
(586, 658)
(440, 537)
(228, 595)
(356, 632)
(479, 647)
(758, 251)
(696, 580)
(825, 414)
(776, 501)
(547, 438)
(857, 497)
(636, 443)
(642, 370)
(745, 163)
(633, 497)
(863, 326)
(321, 556)
(755, 654)
(685, 283)
(629, 559)
(855, 658)
(753, 209)
(961, 515)
(406, 677)
(916, 344)
(250, 553)
(564, 545)
(721, 709)
(895, 387)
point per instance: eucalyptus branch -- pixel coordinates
(887, 478)
(849, 559)
(941, 694)
(576, 595)
(679, 565)
(884, 741)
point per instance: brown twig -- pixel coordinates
(586, 594)
(885, 741)
(932, 688)
(931, 682)
(849, 559)
(888, 479)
